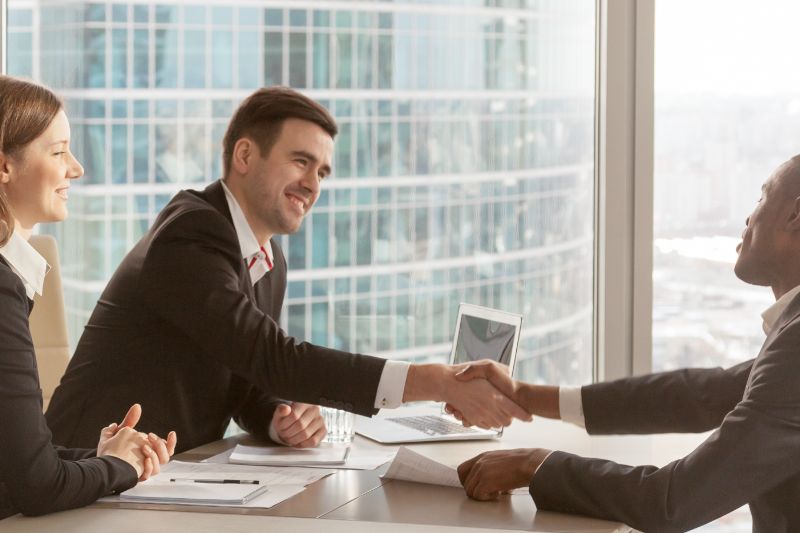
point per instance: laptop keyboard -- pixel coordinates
(431, 425)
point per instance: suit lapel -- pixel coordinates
(215, 196)
(789, 315)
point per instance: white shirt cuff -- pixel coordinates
(546, 457)
(570, 405)
(273, 433)
(392, 385)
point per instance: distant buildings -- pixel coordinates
(712, 155)
(463, 171)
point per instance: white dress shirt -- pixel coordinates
(26, 263)
(570, 398)
(259, 259)
(257, 256)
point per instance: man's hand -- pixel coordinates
(539, 400)
(299, 425)
(490, 474)
(478, 400)
(145, 452)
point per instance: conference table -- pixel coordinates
(361, 500)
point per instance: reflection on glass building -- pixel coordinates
(463, 170)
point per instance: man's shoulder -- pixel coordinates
(189, 200)
(192, 211)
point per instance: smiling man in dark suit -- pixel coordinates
(188, 324)
(754, 408)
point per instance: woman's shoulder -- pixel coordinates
(11, 285)
(14, 329)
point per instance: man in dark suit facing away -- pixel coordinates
(188, 324)
(753, 455)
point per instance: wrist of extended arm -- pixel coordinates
(425, 382)
(539, 400)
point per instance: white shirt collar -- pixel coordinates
(774, 311)
(26, 263)
(255, 254)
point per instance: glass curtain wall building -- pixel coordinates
(464, 170)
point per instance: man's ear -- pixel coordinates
(793, 223)
(242, 157)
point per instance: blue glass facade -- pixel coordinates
(464, 170)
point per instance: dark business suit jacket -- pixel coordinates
(35, 476)
(752, 457)
(181, 329)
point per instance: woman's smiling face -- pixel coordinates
(36, 180)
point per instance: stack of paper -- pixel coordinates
(359, 458)
(280, 483)
(283, 456)
(206, 493)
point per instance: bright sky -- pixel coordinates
(728, 46)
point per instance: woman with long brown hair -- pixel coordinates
(36, 477)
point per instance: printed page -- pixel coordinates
(411, 466)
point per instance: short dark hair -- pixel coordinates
(262, 114)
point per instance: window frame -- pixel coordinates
(3, 34)
(624, 135)
(624, 188)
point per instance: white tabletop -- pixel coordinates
(362, 501)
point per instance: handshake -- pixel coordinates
(481, 393)
(484, 394)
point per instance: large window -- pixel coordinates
(464, 170)
(727, 110)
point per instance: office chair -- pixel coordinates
(48, 321)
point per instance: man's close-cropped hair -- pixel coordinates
(262, 114)
(26, 110)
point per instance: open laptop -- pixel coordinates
(481, 333)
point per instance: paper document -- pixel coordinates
(266, 475)
(166, 491)
(285, 456)
(411, 466)
(281, 482)
(359, 458)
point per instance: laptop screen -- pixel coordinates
(483, 338)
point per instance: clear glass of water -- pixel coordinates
(340, 425)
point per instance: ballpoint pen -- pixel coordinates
(221, 481)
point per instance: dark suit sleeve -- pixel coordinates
(256, 414)
(190, 278)
(753, 451)
(38, 480)
(75, 454)
(683, 401)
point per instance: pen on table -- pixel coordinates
(221, 481)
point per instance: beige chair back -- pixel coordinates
(48, 321)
